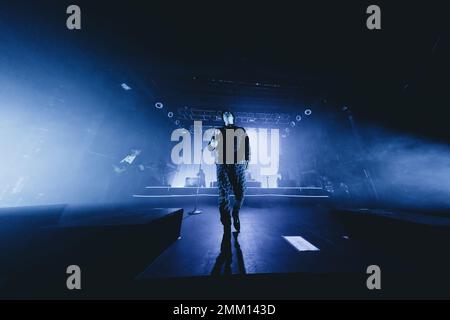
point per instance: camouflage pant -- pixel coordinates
(230, 178)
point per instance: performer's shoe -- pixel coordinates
(236, 223)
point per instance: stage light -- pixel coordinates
(298, 118)
(125, 86)
(159, 105)
(285, 133)
(292, 124)
(177, 122)
(308, 112)
(170, 114)
(300, 243)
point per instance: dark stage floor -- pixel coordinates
(286, 249)
(261, 246)
(339, 247)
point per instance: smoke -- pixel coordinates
(66, 121)
(409, 171)
(369, 165)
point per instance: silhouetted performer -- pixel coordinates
(201, 178)
(232, 147)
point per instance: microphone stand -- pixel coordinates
(361, 151)
(196, 210)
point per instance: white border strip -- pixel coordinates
(215, 195)
(293, 188)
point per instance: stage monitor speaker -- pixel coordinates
(111, 245)
(191, 182)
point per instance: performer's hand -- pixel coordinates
(213, 143)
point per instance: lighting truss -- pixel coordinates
(249, 118)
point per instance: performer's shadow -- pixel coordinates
(223, 265)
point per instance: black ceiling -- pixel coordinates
(309, 50)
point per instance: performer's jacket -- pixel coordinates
(233, 145)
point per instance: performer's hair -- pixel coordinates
(230, 112)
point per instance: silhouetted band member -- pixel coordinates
(232, 148)
(201, 178)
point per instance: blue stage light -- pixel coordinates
(308, 112)
(159, 105)
(125, 86)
